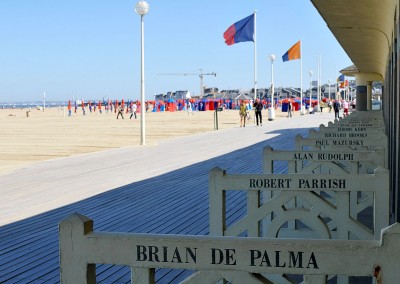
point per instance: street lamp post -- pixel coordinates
(310, 106)
(142, 8)
(271, 110)
(329, 89)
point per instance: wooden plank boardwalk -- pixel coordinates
(148, 189)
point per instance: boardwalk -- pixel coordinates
(157, 189)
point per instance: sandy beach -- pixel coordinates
(50, 134)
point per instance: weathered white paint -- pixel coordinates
(288, 187)
(353, 127)
(318, 162)
(346, 132)
(374, 158)
(81, 248)
(340, 142)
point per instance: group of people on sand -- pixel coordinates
(132, 110)
(336, 105)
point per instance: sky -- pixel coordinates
(87, 49)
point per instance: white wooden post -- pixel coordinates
(217, 203)
(73, 265)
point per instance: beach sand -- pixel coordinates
(35, 136)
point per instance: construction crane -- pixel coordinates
(201, 75)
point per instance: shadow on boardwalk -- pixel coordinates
(171, 203)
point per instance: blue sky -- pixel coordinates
(91, 49)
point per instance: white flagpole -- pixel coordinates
(255, 57)
(337, 90)
(320, 75)
(318, 82)
(301, 80)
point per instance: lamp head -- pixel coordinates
(272, 57)
(142, 8)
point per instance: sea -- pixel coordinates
(32, 104)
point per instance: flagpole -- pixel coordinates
(320, 76)
(301, 80)
(318, 82)
(255, 57)
(337, 90)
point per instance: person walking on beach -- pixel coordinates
(243, 114)
(189, 108)
(133, 110)
(290, 106)
(257, 109)
(69, 108)
(120, 111)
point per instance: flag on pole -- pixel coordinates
(340, 78)
(240, 31)
(344, 84)
(293, 52)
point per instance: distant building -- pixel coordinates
(178, 95)
(210, 90)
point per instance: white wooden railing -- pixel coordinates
(238, 260)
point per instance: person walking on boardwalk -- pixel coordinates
(336, 107)
(120, 111)
(330, 105)
(345, 108)
(243, 114)
(321, 105)
(257, 109)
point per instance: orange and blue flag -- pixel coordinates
(344, 84)
(293, 52)
(240, 31)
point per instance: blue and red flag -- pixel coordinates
(293, 52)
(240, 31)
